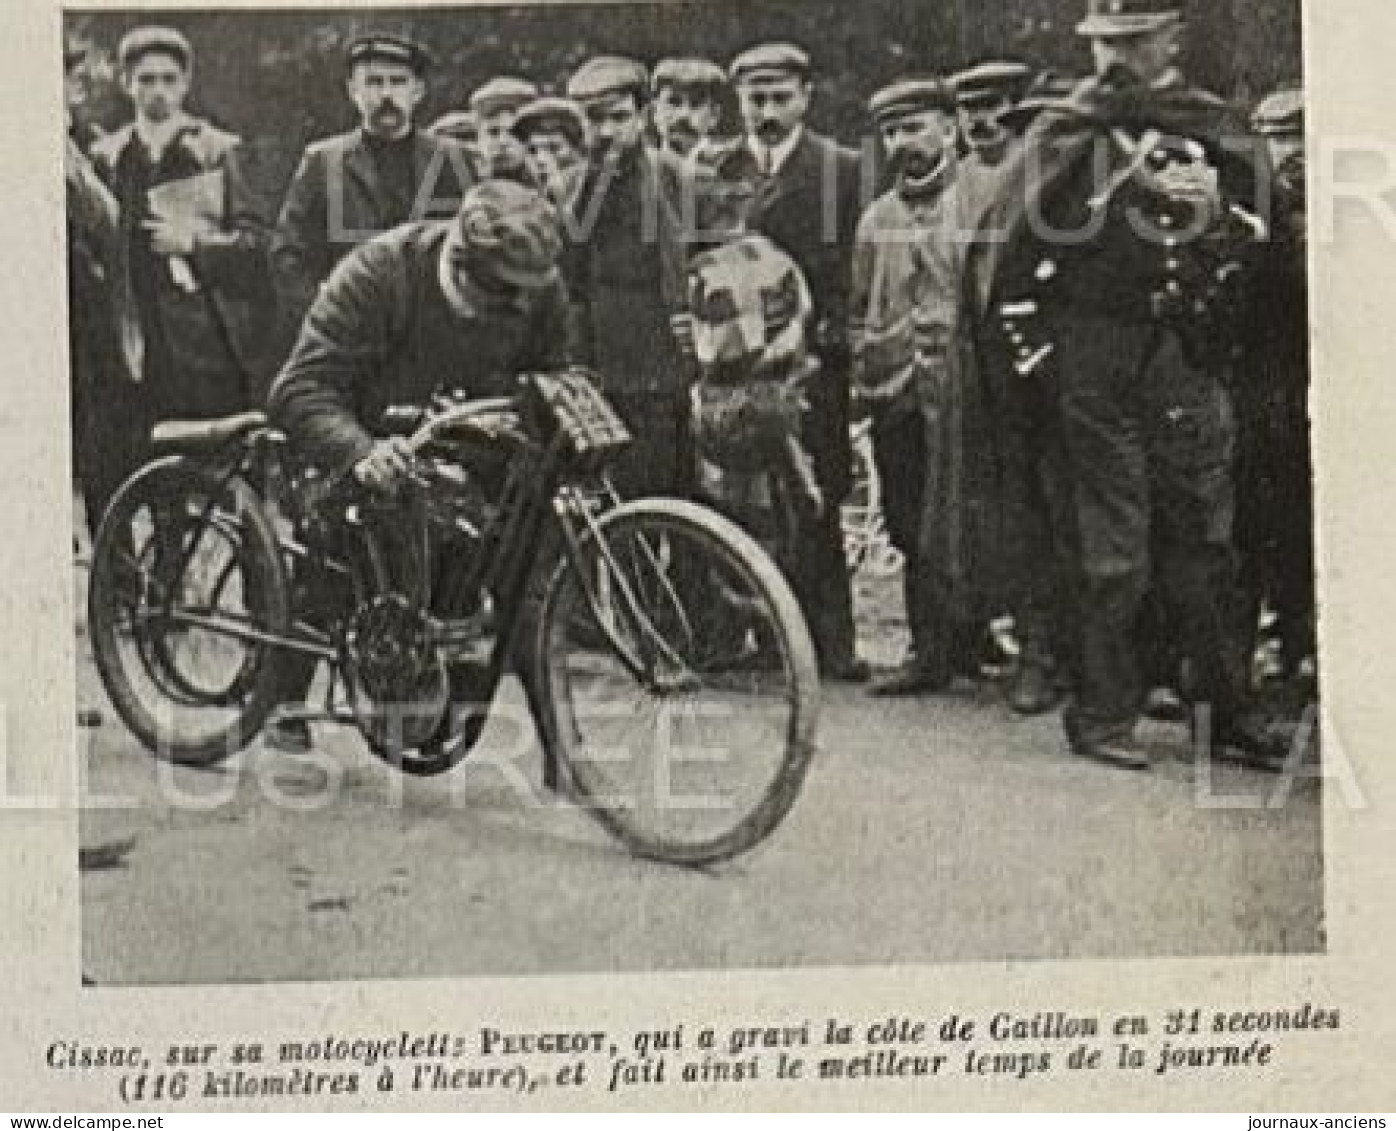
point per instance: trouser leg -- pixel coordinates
(819, 577)
(899, 454)
(1192, 450)
(1109, 468)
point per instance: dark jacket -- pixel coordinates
(628, 279)
(811, 208)
(205, 350)
(381, 333)
(337, 200)
(1113, 274)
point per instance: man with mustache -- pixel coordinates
(808, 205)
(630, 277)
(986, 97)
(386, 172)
(905, 299)
(687, 103)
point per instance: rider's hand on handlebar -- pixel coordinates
(386, 466)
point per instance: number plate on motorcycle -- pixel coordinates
(580, 411)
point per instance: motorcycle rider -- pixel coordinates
(462, 305)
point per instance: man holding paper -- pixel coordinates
(196, 271)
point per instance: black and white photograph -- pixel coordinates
(638, 487)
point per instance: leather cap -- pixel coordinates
(511, 232)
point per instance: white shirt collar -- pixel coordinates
(156, 136)
(780, 154)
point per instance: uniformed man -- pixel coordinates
(1134, 318)
(1275, 506)
(905, 299)
(687, 106)
(808, 204)
(386, 172)
(632, 278)
(496, 105)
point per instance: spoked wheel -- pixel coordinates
(680, 682)
(187, 590)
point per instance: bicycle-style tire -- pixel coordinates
(164, 488)
(731, 553)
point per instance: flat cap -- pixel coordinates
(1280, 113)
(142, 41)
(462, 125)
(689, 74)
(503, 92)
(991, 79)
(911, 96)
(770, 61)
(560, 114)
(608, 75)
(385, 48)
(1111, 18)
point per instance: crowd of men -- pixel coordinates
(1074, 309)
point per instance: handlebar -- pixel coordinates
(491, 416)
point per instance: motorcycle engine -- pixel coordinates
(397, 680)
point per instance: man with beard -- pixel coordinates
(1275, 507)
(631, 277)
(808, 205)
(687, 103)
(906, 286)
(195, 241)
(386, 172)
(1124, 235)
(496, 105)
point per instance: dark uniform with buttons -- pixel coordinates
(1132, 321)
